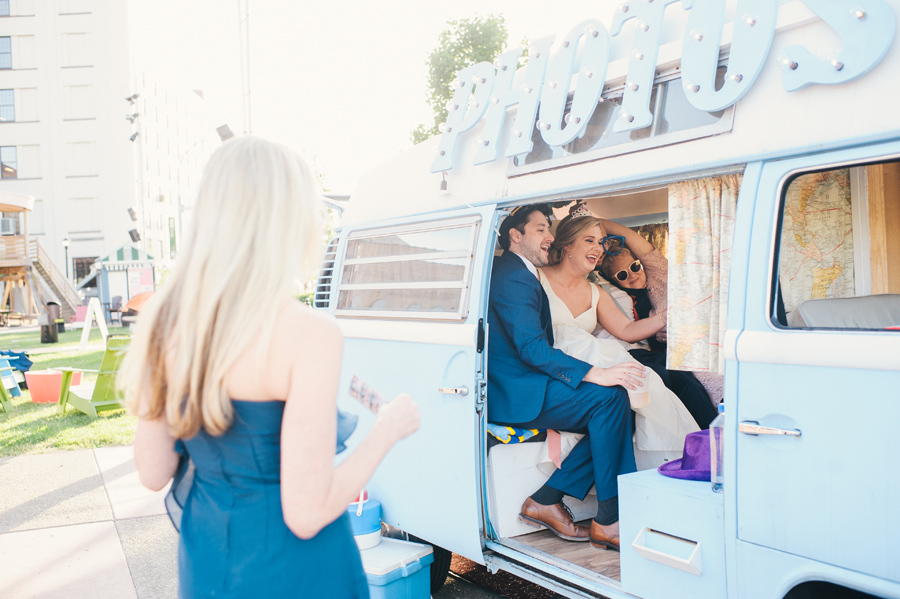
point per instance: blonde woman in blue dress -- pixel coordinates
(578, 308)
(227, 364)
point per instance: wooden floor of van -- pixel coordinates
(546, 546)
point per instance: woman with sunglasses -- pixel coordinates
(578, 307)
(641, 270)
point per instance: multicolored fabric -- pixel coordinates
(511, 434)
(701, 229)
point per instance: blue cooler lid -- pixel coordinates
(393, 559)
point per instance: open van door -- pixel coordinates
(813, 428)
(409, 296)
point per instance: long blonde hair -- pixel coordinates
(256, 232)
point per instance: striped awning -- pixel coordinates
(124, 258)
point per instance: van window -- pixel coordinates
(411, 271)
(838, 258)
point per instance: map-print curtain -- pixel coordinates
(816, 258)
(701, 228)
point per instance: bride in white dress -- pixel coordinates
(661, 425)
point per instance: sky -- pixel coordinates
(343, 82)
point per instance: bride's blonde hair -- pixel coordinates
(568, 230)
(256, 234)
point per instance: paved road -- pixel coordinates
(79, 524)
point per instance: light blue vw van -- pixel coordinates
(758, 143)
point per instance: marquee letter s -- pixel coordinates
(866, 28)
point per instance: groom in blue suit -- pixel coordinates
(533, 385)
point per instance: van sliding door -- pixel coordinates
(408, 295)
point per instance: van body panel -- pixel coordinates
(770, 574)
(740, 259)
(824, 495)
(433, 477)
(863, 350)
(462, 335)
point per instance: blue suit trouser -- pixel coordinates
(604, 415)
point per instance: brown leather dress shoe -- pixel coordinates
(607, 539)
(555, 517)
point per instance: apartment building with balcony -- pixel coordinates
(110, 154)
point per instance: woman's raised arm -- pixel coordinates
(611, 318)
(639, 246)
(313, 491)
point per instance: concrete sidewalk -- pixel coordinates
(79, 524)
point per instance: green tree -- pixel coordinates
(461, 44)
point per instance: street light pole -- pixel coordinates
(66, 243)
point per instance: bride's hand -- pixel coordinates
(627, 374)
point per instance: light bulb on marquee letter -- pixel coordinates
(749, 48)
(641, 71)
(594, 59)
(866, 29)
(461, 120)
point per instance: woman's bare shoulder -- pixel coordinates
(303, 339)
(298, 327)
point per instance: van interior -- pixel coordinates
(837, 259)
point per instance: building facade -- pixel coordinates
(174, 141)
(110, 155)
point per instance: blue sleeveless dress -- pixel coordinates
(234, 542)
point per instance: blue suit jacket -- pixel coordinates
(522, 359)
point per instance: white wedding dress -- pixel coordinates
(662, 425)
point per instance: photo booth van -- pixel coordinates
(758, 142)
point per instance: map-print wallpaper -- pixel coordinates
(816, 259)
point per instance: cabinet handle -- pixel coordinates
(454, 390)
(751, 427)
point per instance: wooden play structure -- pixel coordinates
(28, 277)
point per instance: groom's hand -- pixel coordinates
(627, 374)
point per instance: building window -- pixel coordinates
(76, 51)
(5, 52)
(4, 8)
(82, 266)
(9, 166)
(7, 106)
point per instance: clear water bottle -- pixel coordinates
(716, 457)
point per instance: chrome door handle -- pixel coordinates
(454, 390)
(752, 427)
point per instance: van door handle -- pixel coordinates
(454, 390)
(752, 427)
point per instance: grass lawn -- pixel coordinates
(37, 428)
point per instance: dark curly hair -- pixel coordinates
(517, 219)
